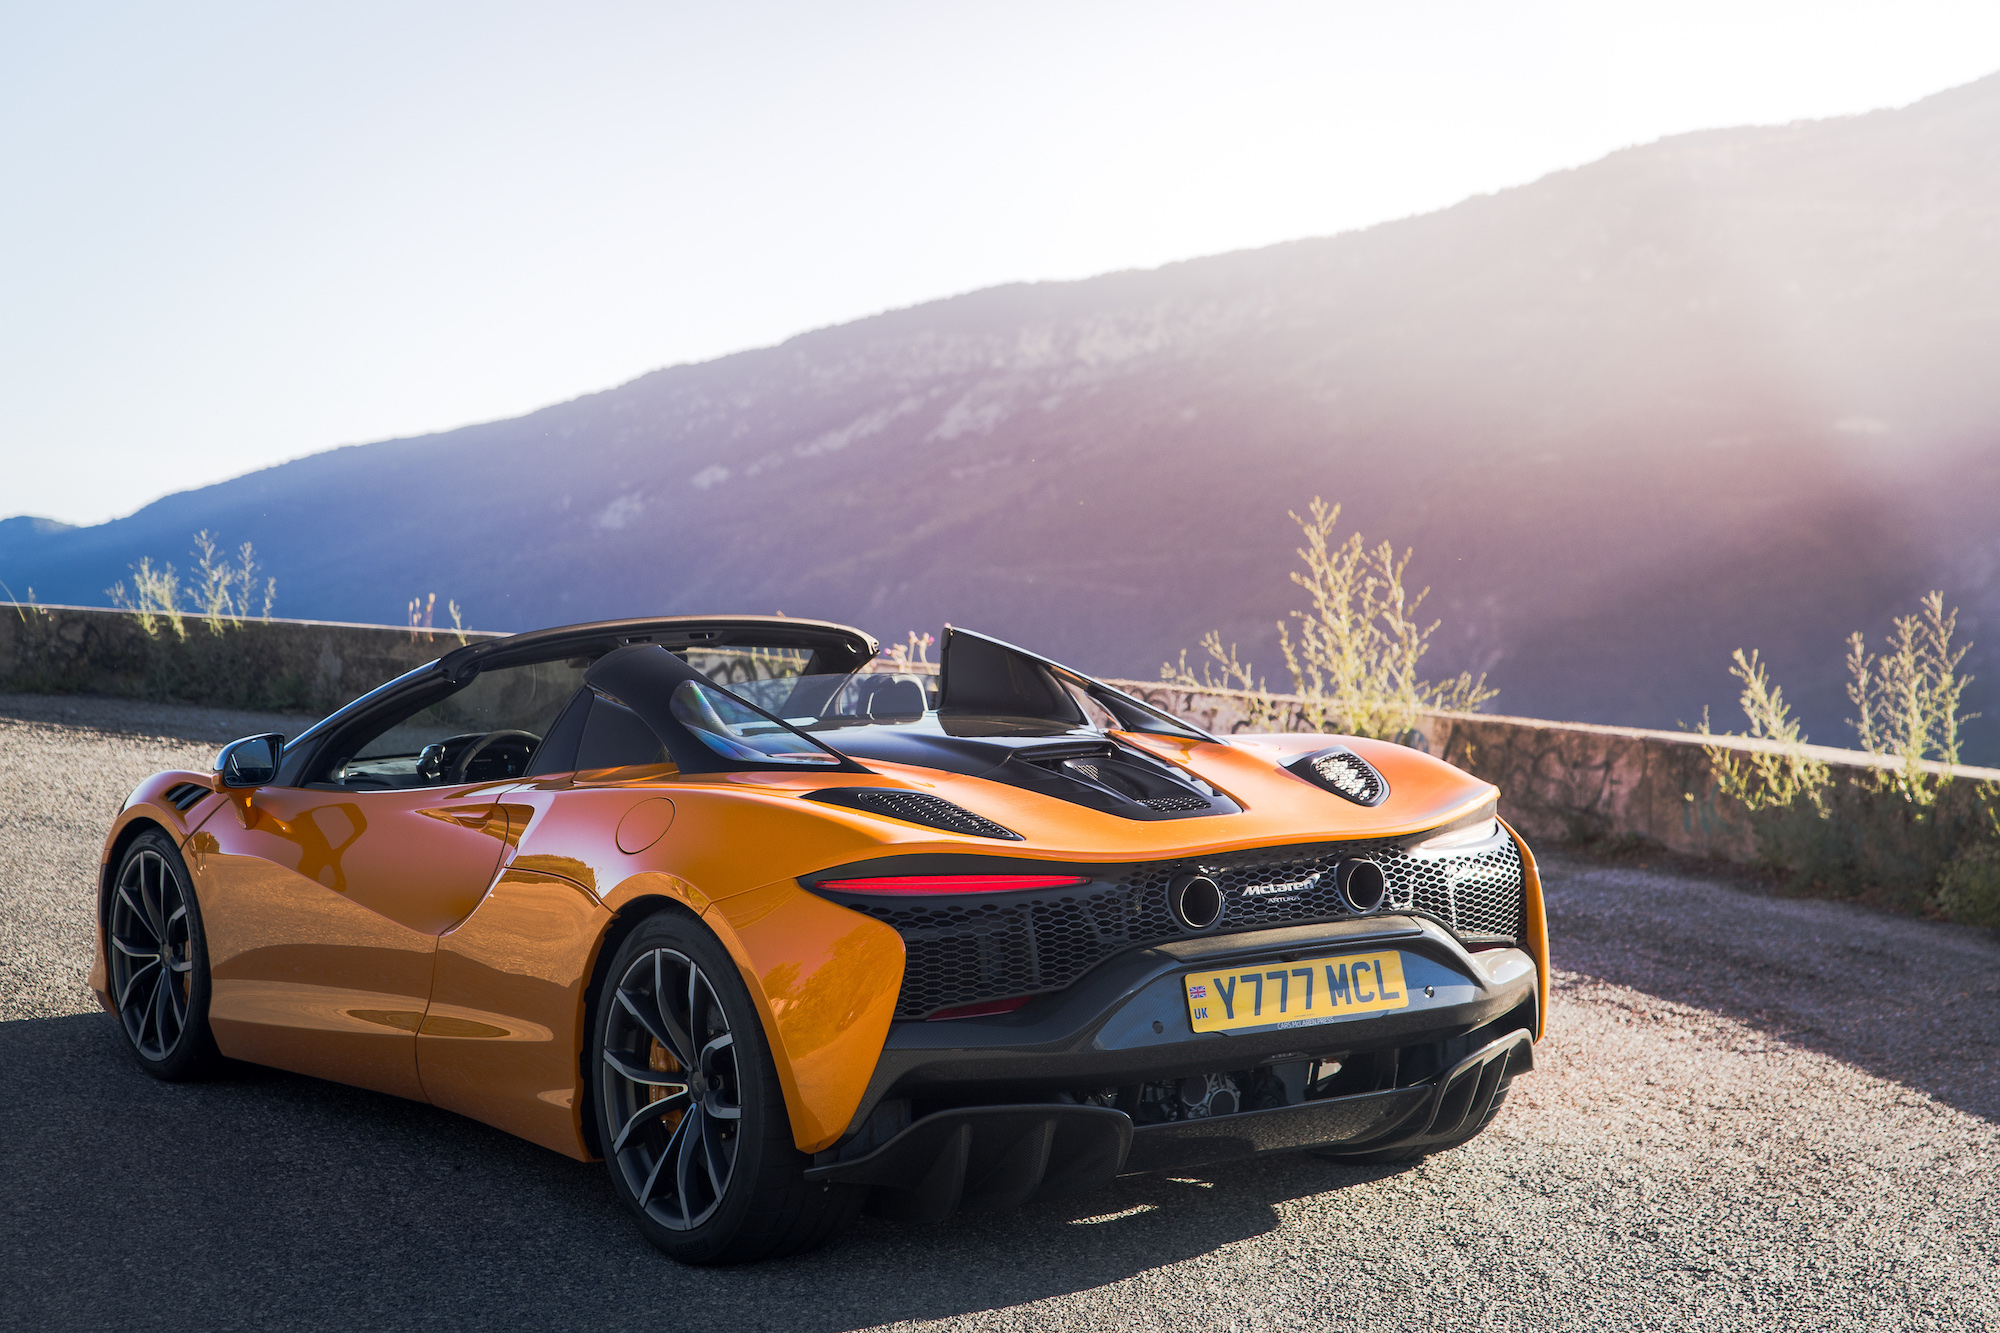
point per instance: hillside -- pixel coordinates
(1732, 388)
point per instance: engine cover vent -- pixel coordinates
(915, 807)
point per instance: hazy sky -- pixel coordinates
(235, 234)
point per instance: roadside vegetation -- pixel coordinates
(1353, 655)
(1910, 829)
(180, 642)
(205, 635)
(423, 615)
(219, 591)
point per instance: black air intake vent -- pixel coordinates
(915, 807)
(1116, 780)
(1344, 773)
(184, 796)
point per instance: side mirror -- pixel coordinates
(250, 762)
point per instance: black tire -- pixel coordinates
(689, 1109)
(156, 960)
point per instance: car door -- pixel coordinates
(326, 911)
(323, 903)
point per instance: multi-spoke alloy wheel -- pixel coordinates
(157, 966)
(688, 1107)
(150, 965)
(672, 1089)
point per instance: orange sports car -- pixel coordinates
(777, 929)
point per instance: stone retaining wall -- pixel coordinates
(289, 666)
(1560, 781)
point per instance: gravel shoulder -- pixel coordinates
(67, 763)
(1749, 1111)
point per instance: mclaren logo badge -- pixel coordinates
(1281, 890)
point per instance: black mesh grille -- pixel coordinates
(970, 949)
(1176, 803)
(915, 807)
(1473, 893)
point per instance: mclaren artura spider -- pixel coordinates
(777, 929)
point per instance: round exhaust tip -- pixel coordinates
(1196, 901)
(1361, 885)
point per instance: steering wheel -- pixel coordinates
(471, 752)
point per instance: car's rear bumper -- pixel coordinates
(984, 1112)
(1127, 1020)
(986, 1158)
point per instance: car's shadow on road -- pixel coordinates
(1916, 1002)
(264, 1199)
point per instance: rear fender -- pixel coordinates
(1534, 928)
(824, 980)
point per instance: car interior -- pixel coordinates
(540, 718)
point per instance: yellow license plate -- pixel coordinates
(1281, 994)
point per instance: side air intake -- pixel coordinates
(184, 795)
(915, 807)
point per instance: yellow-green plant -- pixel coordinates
(30, 607)
(1224, 670)
(222, 592)
(1355, 659)
(1940, 835)
(155, 596)
(1766, 779)
(1907, 697)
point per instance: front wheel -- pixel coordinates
(689, 1108)
(157, 957)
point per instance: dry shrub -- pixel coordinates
(222, 590)
(1762, 780)
(1908, 697)
(1225, 671)
(1906, 827)
(1355, 657)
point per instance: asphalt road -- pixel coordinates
(1750, 1113)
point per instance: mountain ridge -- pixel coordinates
(1726, 389)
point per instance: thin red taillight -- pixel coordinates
(920, 884)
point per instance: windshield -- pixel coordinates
(819, 703)
(777, 719)
(733, 668)
(725, 726)
(775, 683)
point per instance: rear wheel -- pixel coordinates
(689, 1108)
(158, 961)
